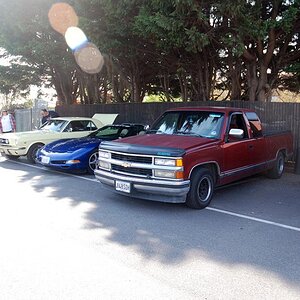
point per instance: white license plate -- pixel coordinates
(123, 186)
(45, 160)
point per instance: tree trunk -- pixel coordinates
(262, 84)
(183, 87)
(252, 80)
(235, 68)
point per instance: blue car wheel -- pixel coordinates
(92, 163)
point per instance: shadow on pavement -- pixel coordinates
(172, 233)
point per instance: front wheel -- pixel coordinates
(31, 154)
(277, 170)
(92, 163)
(202, 189)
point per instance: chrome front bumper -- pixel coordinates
(15, 151)
(149, 189)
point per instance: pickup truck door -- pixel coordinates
(236, 152)
(257, 146)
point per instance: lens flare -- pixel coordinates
(89, 59)
(62, 16)
(75, 38)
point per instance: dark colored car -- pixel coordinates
(81, 154)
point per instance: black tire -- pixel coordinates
(202, 189)
(92, 162)
(31, 154)
(278, 169)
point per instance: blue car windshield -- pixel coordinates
(193, 123)
(54, 125)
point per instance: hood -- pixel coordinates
(105, 119)
(158, 144)
(24, 133)
(72, 145)
(182, 142)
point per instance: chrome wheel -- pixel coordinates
(93, 159)
(278, 167)
(280, 164)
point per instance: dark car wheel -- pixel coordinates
(202, 189)
(31, 154)
(92, 162)
(277, 171)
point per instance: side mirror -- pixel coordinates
(236, 133)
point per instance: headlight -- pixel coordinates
(168, 162)
(168, 174)
(104, 165)
(73, 161)
(104, 154)
(4, 141)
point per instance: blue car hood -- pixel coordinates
(72, 145)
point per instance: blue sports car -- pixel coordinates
(81, 154)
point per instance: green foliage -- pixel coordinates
(154, 47)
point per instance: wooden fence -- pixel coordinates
(278, 115)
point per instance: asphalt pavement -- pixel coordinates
(65, 237)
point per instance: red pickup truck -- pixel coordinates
(189, 151)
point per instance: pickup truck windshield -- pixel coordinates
(54, 125)
(194, 123)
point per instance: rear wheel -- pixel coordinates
(202, 188)
(277, 170)
(92, 163)
(31, 154)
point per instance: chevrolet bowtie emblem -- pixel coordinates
(126, 164)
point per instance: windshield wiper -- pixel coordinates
(154, 131)
(190, 133)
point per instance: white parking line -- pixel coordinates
(253, 218)
(53, 171)
(208, 208)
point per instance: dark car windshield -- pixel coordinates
(194, 123)
(112, 132)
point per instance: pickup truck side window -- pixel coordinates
(255, 124)
(237, 121)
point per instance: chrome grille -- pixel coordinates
(134, 171)
(132, 158)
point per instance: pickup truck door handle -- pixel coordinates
(250, 146)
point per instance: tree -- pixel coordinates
(27, 34)
(263, 34)
(185, 47)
